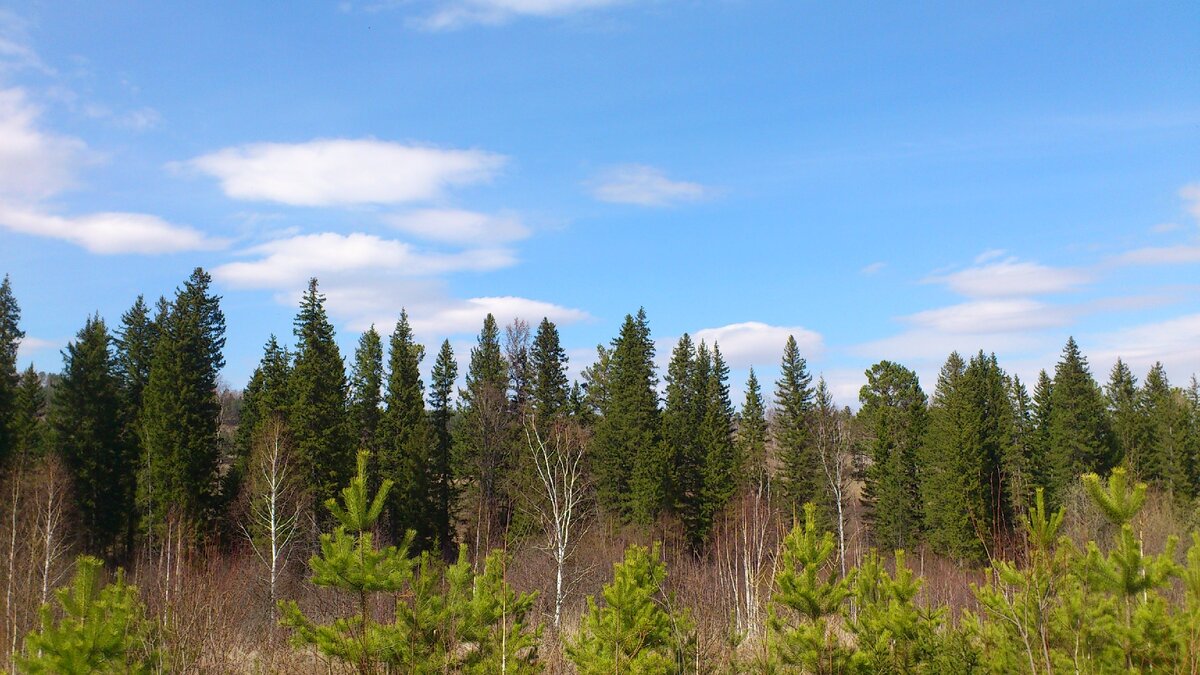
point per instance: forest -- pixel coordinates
(339, 514)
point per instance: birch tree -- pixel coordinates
(275, 506)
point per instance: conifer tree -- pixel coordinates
(1079, 433)
(595, 385)
(893, 632)
(895, 417)
(180, 411)
(628, 461)
(632, 632)
(520, 368)
(29, 412)
(1163, 420)
(793, 406)
(752, 435)
(681, 418)
(722, 464)
(10, 338)
(317, 400)
(102, 629)
(441, 389)
(266, 397)
(548, 361)
(1043, 467)
(482, 442)
(1124, 409)
(1023, 459)
(366, 383)
(86, 420)
(406, 441)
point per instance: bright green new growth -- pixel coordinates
(102, 630)
(634, 631)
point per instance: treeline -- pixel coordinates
(136, 418)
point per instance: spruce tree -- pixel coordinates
(29, 416)
(548, 361)
(628, 461)
(266, 397)
(752, 436)
(895, 417)
(722, 464)
(86, 421)
(10, 339)
(1164, 421)
(135, 352)
(406, 441)
(1022, 460)
(801, 481)
(441, 391)
(681, 417)
(1042, 467)
(1124, 410)
(482, 443)
(317, 407)
(366, 382)
(1080, 436)
(180, 410)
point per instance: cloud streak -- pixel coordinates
(642, 185)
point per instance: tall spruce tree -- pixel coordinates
(366, 385)
(1023, 459)
(441, 391)
(1079, 432)
(10, 338)
(266, 397)
(317, 415)
(29, 416)
(406, 441)
(628, 461)
(681, 417)
(801, 481)
(894, 415)
(86, 421)
(1042, 469)
(482, 443)
(752, 435)
(1164, 423)
(1128, 419)
(548, 361)
(722, 464)
(180, 410)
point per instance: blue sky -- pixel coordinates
(881, 182)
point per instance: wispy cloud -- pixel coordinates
(343, 172)
(756, 343)
(990, 316)
(110, 233)
(645, 186)
(1190, 194)
(1010, 278)
(872, 269)
(452, 14)
(457, 226)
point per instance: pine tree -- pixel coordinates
(441, 389)
(548, 361)
(86, 419)
(366, 382)
(893, 632)
(1080, 436)
(801, 481)
(482, 442)
(317, 405)
(10, 338)
(895, 417)
(406, 441)
(103, 629)
(632, 632)
(752, 435)
(628, 461)
(722, 464)
(180, 411)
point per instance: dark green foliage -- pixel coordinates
(10, 338)
(29, 416)
(1079, 433)
(441, 389)
(1128, 424)
(135, 352)
(752, 435)
(627, 458)
(103, 629)
(800, 479)
(482, 447)
(86, 420)
(894, 416)
(366, 383)
(266, 397)
(548, 361)
(1042, 469)
(317, 401)
(180, 410)
(406, 442)
(634, 631)
(722, 464)
(681, 419)
(1164, 430)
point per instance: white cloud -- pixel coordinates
(1175, 342)
(872, 269)
(466, 316)
(457, 226)
(990, 254)
(341, 172)
(644, 186)
(1011, 278)
(109, 233)
(753, 342)
(451, 14)
(1163, 228)
(289, 262)
(1161, 255)
(991, 316)
(1191, 194)
(34, 164)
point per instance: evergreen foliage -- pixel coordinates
(441, 391)
(28, 426)
(1079, 433)
(801, 479)
(366, 386)
(722, 465)
(317, 416)
(548, 361)
(752, 435)
(266, 397)
(482, 448)
(10, 338)
(894, 416)
(103, 629)
(635, 630)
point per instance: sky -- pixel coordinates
(882, 182)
